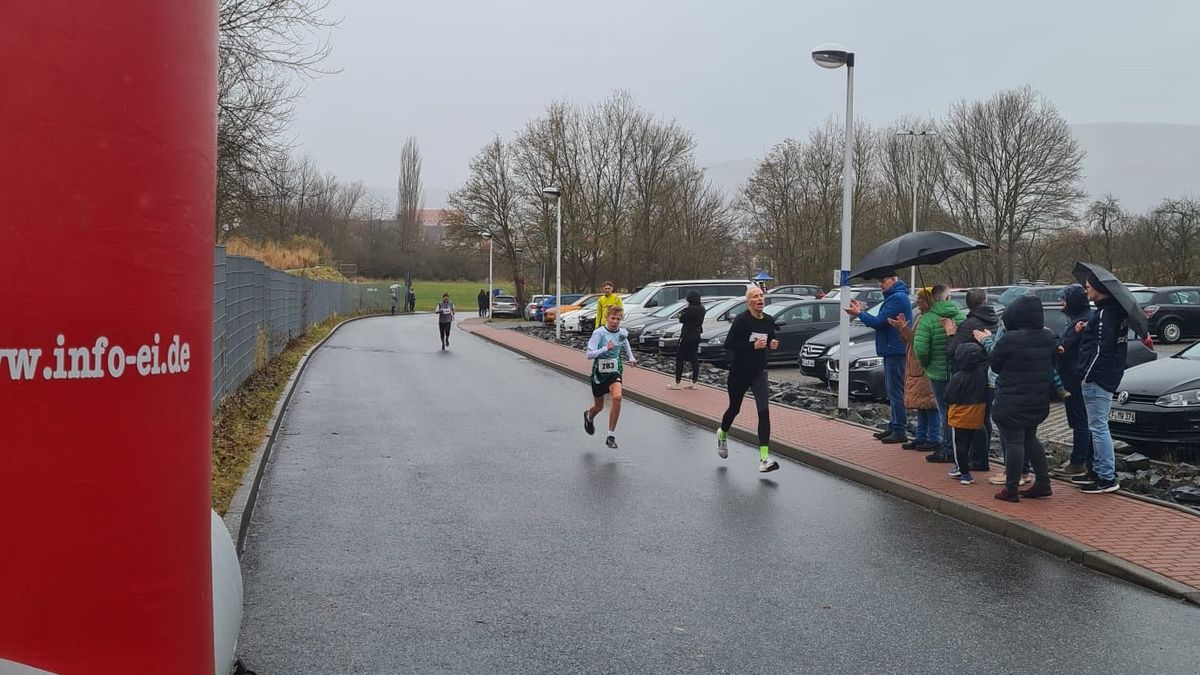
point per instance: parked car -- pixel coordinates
(1173, 312)
(637, 324)
(1158, 403)
(653, 333)
(803, 290)
(552, 303)
(868, 295)
(662, 293)
(571, 302)
(505, 305)
(583, 320)
(797, 320)
(531, 309)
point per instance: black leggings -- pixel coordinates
(963, 438)
(444, 329)
(687, 352)
(737, 385)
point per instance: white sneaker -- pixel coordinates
(722, 446)
(674, 385)
(691, 385)
(765, 465)
(954, 473)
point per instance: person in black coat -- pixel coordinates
(1075, 305)
(483, 302)
(980, 316)
(692, 318)
(1023, 360)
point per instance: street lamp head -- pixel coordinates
(486, 235)
(551, 194)
(832, 55)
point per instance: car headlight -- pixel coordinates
(1179, 399)
(833, 351)
(867, 363)
(719, 340)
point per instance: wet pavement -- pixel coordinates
(429, 511)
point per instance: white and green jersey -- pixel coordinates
(608, 363)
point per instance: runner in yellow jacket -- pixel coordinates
(609, 299)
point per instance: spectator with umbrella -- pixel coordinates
(1102, 351)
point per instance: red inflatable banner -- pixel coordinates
(107, 179)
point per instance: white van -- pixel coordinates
(658, 294)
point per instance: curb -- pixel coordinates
(241, 506)
(1011, 528)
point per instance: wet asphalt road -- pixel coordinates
(444, 512)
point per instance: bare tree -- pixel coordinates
(1106, 219)
(410, 196)
(1012, 169)
(264, 55)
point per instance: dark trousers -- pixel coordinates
(687, 353)
(981, 442)
(737, 385)
(444, 329)
(1081, 436)
(1021, 444)
(964, 440)
(893, 382)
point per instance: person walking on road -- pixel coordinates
(608, 349)
(966, 398)
(980, 316)
(930, 347)
(445, 314)
(918, 396)
(483, 302)
(891, 347)
(412, 300)
(1023, 360)
(692, 318)
(1075, 305)
(750, 335)
(1102, 352)
(609, 299)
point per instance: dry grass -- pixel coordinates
(296, 253)
(322, 273)
(240, 423)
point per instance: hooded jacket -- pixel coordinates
(967, 392)
(692, 318)
(980, 318)
(895, 303)
(1023, 359)
(1103, 347)
(918, 394)
(1077, 310)
(930, 341)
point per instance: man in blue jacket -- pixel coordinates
(890, 346)
(1075, 305)
(1102, 348)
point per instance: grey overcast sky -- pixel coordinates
(737, 74)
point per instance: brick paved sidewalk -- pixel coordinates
(1152, 545)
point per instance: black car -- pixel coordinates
(803, 324)
(1159, 403)
(1172, 312)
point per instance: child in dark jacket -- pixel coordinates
(966, 395)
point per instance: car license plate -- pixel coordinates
(1122, 416)
(808, 363)
(833, 376)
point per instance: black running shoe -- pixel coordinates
(611, 442)
(1086, 479)
(588, 425)
(1100, 487)
(882, 433)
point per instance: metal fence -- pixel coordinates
(257, 310)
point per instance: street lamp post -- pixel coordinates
(554, 195)
(487, 236)
(835, 56)
(914, 134)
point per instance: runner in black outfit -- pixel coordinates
(751, 334)
(692, 318)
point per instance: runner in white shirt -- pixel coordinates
(608, 361)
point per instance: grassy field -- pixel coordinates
(462, 293)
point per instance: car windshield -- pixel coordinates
(1143, 297)
(640, 296)
(589, 302)
(723, 306)
(1192, 353)
(666, 312)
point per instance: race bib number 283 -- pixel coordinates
(606, 366)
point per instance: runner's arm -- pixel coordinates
(595, 347)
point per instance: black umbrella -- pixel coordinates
(914, 248)
(1113, 287)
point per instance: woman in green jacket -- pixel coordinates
(929, 345)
